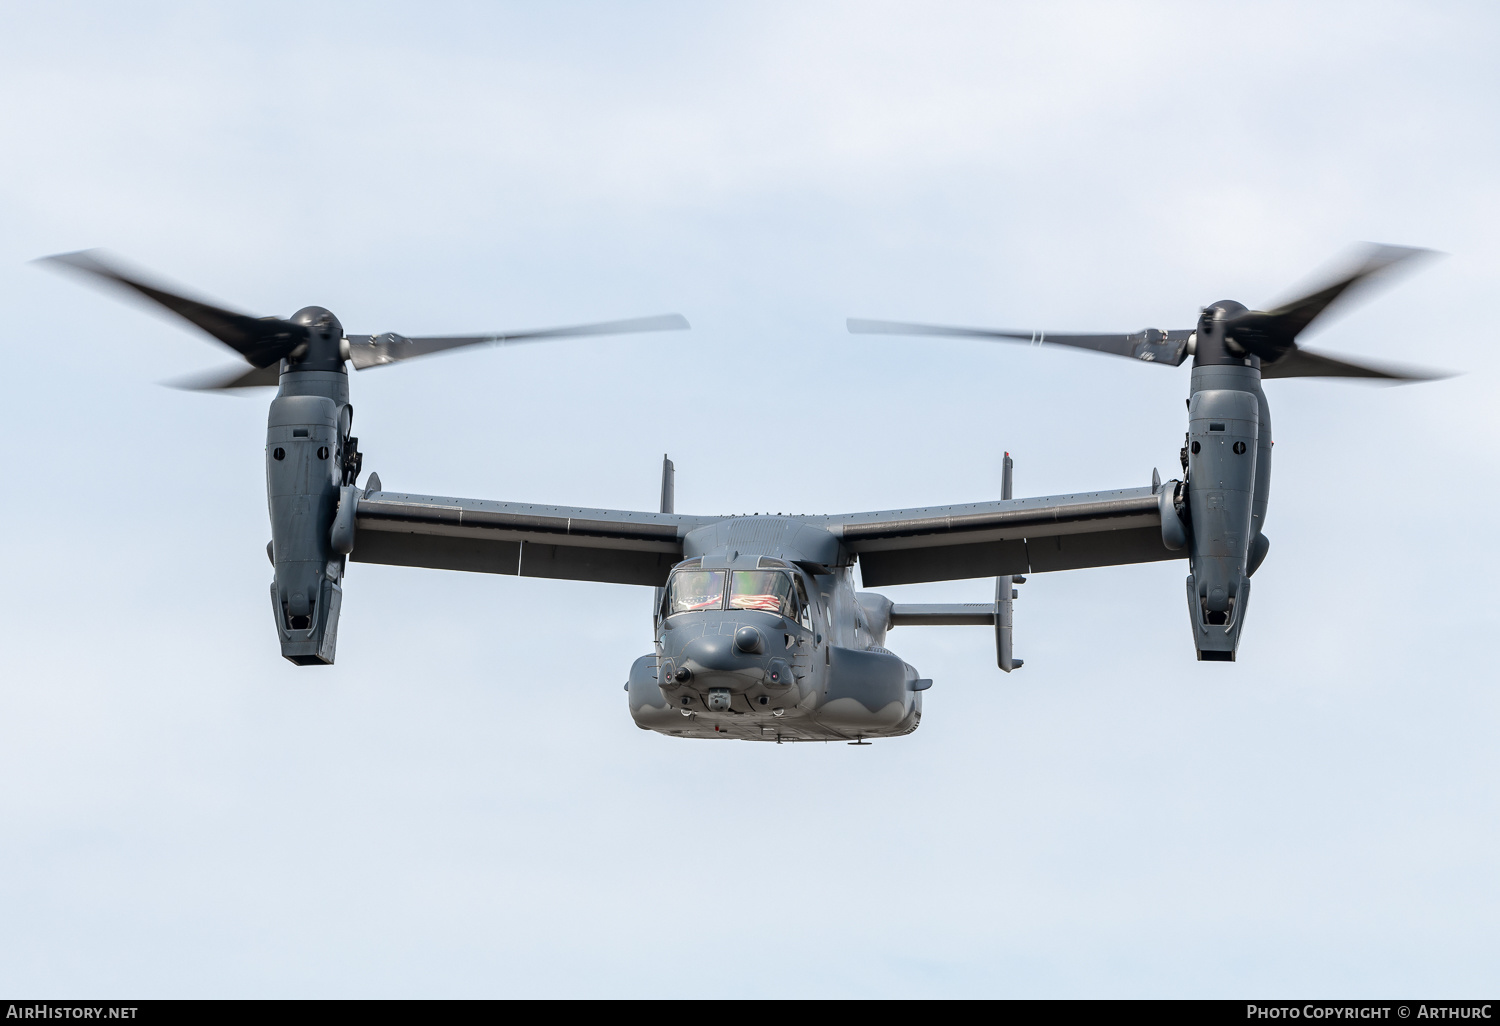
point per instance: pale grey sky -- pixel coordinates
(462, 805)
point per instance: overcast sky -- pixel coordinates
(462, 806)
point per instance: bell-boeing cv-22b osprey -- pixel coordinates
(760, 630)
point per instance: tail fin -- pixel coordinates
(668, 485)
(1005, 593)
(668, 500)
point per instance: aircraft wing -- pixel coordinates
(613, 546)
(1011, 536)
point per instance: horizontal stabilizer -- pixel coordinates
(943, 614)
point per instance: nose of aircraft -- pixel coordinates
(728, 654)
(715, 652)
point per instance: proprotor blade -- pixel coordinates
(1151, 345)
(1272, 334)
(1295, 316)
(1305, 363)
(263, 341)
(227, 378)
(367, 351)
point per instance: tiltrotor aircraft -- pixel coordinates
(760, 630)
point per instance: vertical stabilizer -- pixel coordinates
(668, 501)
(1005, 589)
(668, 485)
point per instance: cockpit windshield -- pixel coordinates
(691, 590)
(768, 590)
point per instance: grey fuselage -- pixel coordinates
(822, 676)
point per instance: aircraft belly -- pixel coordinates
(859, 694)
(843, 719)
(786, 729)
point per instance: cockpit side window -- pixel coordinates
(766, 590)
(804, 607)
(691, 590)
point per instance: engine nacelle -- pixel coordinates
(1223, 440)
(303, 475)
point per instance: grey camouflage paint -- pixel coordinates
(843, 684)
(752, 674)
